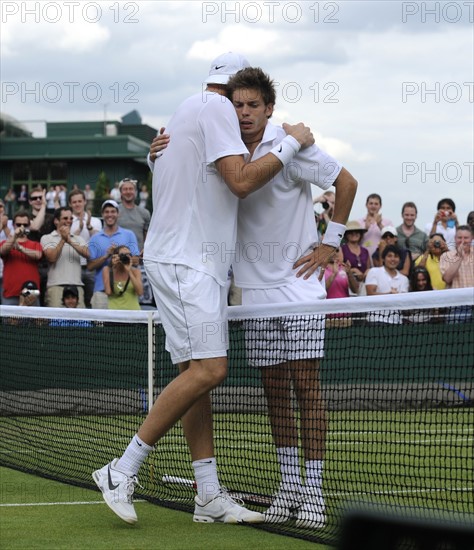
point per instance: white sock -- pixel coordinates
(133, 457)
(205, 474)
(288, 460)
(314, 473)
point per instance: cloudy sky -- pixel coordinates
(387, 87)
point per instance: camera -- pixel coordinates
(124, 258)
(27, 292)
(437, 244)
(325, 205)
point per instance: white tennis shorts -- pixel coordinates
(193, 311)
(275, 341)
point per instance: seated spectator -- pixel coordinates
(444, 222)
(430, 260)
(122, 281)
(352, 251)
(373, 222)
(339, 277)
(409, 236)
(70, 296)
(20, 258)
(63, 251)
(420, 280)
(386, 280)
(390, 237)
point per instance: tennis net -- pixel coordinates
(397, 389)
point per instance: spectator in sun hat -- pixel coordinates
(390, 237)
(101, 247)
(353, 252)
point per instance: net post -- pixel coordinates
(151, 356)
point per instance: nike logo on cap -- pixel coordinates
(216, 68)
(281, 149)
(112, 487)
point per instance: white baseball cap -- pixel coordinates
(389, 229)
(225, 66)
(110, 202)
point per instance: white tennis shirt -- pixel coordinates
(276, 224)
(194, 219)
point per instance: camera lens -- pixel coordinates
(124, 258)
(325, 205)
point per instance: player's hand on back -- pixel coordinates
(159, 143)
(300, 132)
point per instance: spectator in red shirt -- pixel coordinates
(20, 260)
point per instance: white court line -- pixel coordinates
(14, 505)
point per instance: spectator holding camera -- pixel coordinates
(29, 296)
(327, 200)
(122, 281)
(445, 222)
(102, 245)
(431, 258)
(20, 258)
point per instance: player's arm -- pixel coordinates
(346, 187)
(244, 178)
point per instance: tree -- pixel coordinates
(102, 190)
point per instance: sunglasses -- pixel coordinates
(22, 224)
(36, 198)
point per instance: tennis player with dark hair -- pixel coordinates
(286, 236)
(196, 186)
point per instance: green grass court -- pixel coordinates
(420, 459)
(34, 516)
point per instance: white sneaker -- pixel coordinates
(311, 514)
(117, 489)
(286, 503)
(224, 509)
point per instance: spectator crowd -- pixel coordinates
(54, 253)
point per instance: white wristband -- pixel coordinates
(333, 235)
(286, 149)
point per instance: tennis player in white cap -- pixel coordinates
(196, 187)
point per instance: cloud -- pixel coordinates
(78, 37)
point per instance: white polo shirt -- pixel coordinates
(66, 270)
(384, 282)
(194, 219)
(276, 224)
